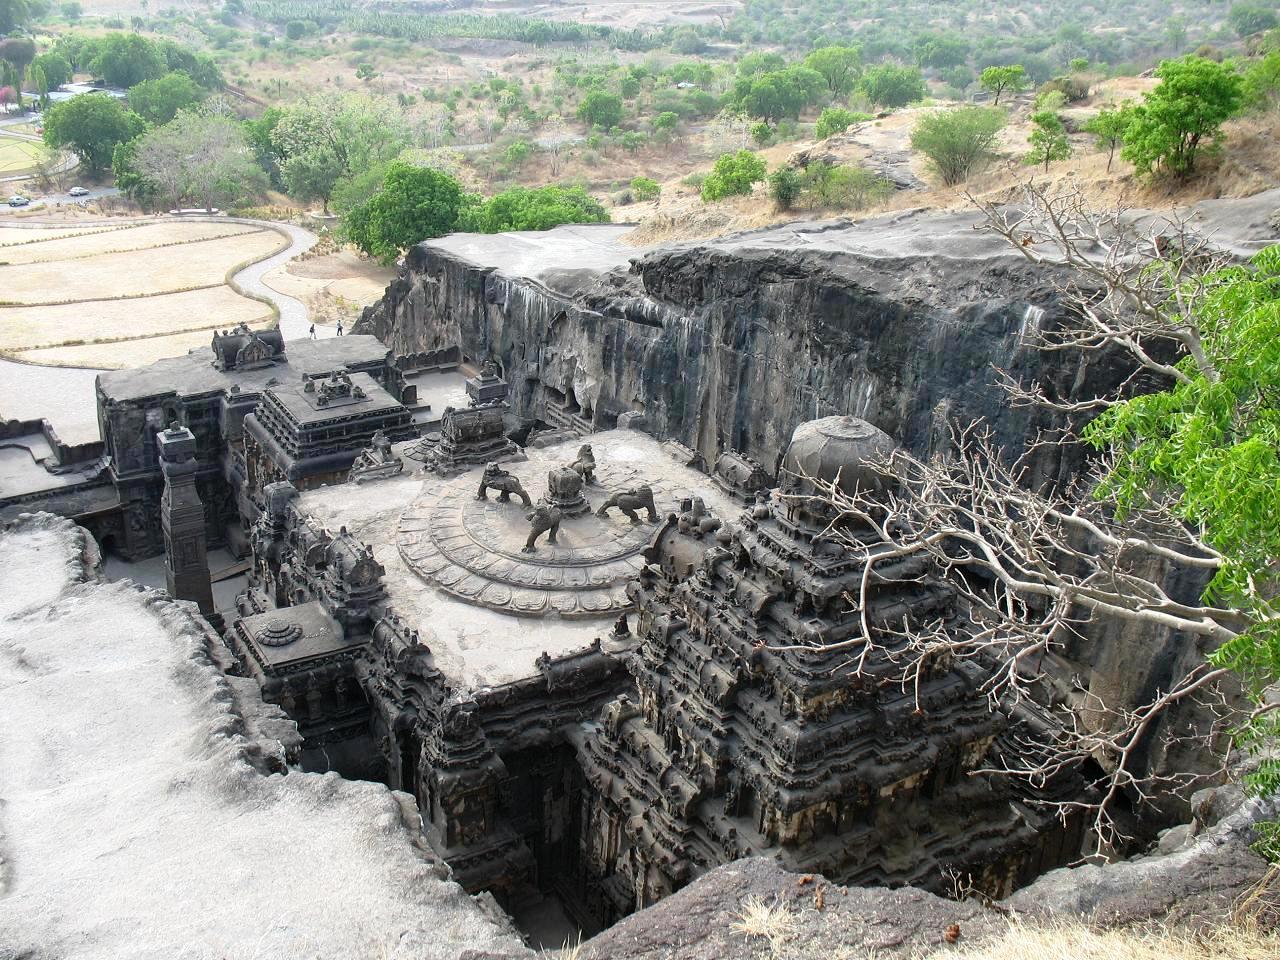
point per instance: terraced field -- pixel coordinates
(116, 295)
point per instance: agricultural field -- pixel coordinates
(121, 295)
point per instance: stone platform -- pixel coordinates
(472, 548)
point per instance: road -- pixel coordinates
(54, 200)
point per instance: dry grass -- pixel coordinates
(39, 234)
(115, 356)
(142, 237)
(136, 273)
(27, 328)
(758, 918)
(1248, 164)
(1079, 942)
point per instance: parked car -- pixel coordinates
(18, 200)
(78, 192)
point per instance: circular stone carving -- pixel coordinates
(836, 449)
(279, 633)
(472, 549)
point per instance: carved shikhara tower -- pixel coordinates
(746, 736)
(186, 561)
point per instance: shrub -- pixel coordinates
(645, 189)
(957, 141)
(889, 85)
(733, 175)
(784, 188)
(834, 120)
(843, 187)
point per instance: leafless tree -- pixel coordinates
(1034, 565)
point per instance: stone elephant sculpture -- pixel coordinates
(629, 501)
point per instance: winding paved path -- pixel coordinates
(65, 395)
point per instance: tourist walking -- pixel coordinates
(313, 331)
(339, 328)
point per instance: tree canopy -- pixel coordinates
(199, 158)
(839, 67)
(1194, 98)
(91, 125)
(999, 79)
(541, 208)
(780, 94)
(599, 108)
(1048, 138)
(413, 204)
(891, 85)
(159, 100)
(323, 139)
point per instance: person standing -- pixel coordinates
(313, 331)
(339, 328)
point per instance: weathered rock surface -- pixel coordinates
(1194, 888)
(698, 922)
(731, 343)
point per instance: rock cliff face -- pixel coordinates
(731, 344)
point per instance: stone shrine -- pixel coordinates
(471, 436)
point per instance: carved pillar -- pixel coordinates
(186, 562)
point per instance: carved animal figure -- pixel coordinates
(495, 478)
(628, 501)
(585, 465)
(542, 518)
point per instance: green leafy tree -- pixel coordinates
(413, 204)
(665, 123)
(999, 79)
(834, 120)
(784, 187)
(158, 101)
(890, 85)
(602, 109)
(1247, 19)
(1108, 127)
(55, 67)
(72, 10)
(518, 152)
(1175, 31)
(90, 126)
(941, 50)
(645, 189)
(138, 188)
(126, 59)
(258, 134)
(957, 141)
(761, 61)
(295, 29)
(1212, 441)
(1194, 98)
(14, 14)
(733, 175)
(542, 208)
(839, 67)
(365, 72)
(778, 95)
(762, 134)
(200, 158)
(1262, 80)
(41, 85)
(1048, 139)
(321, 140)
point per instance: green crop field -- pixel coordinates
(19, 155)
